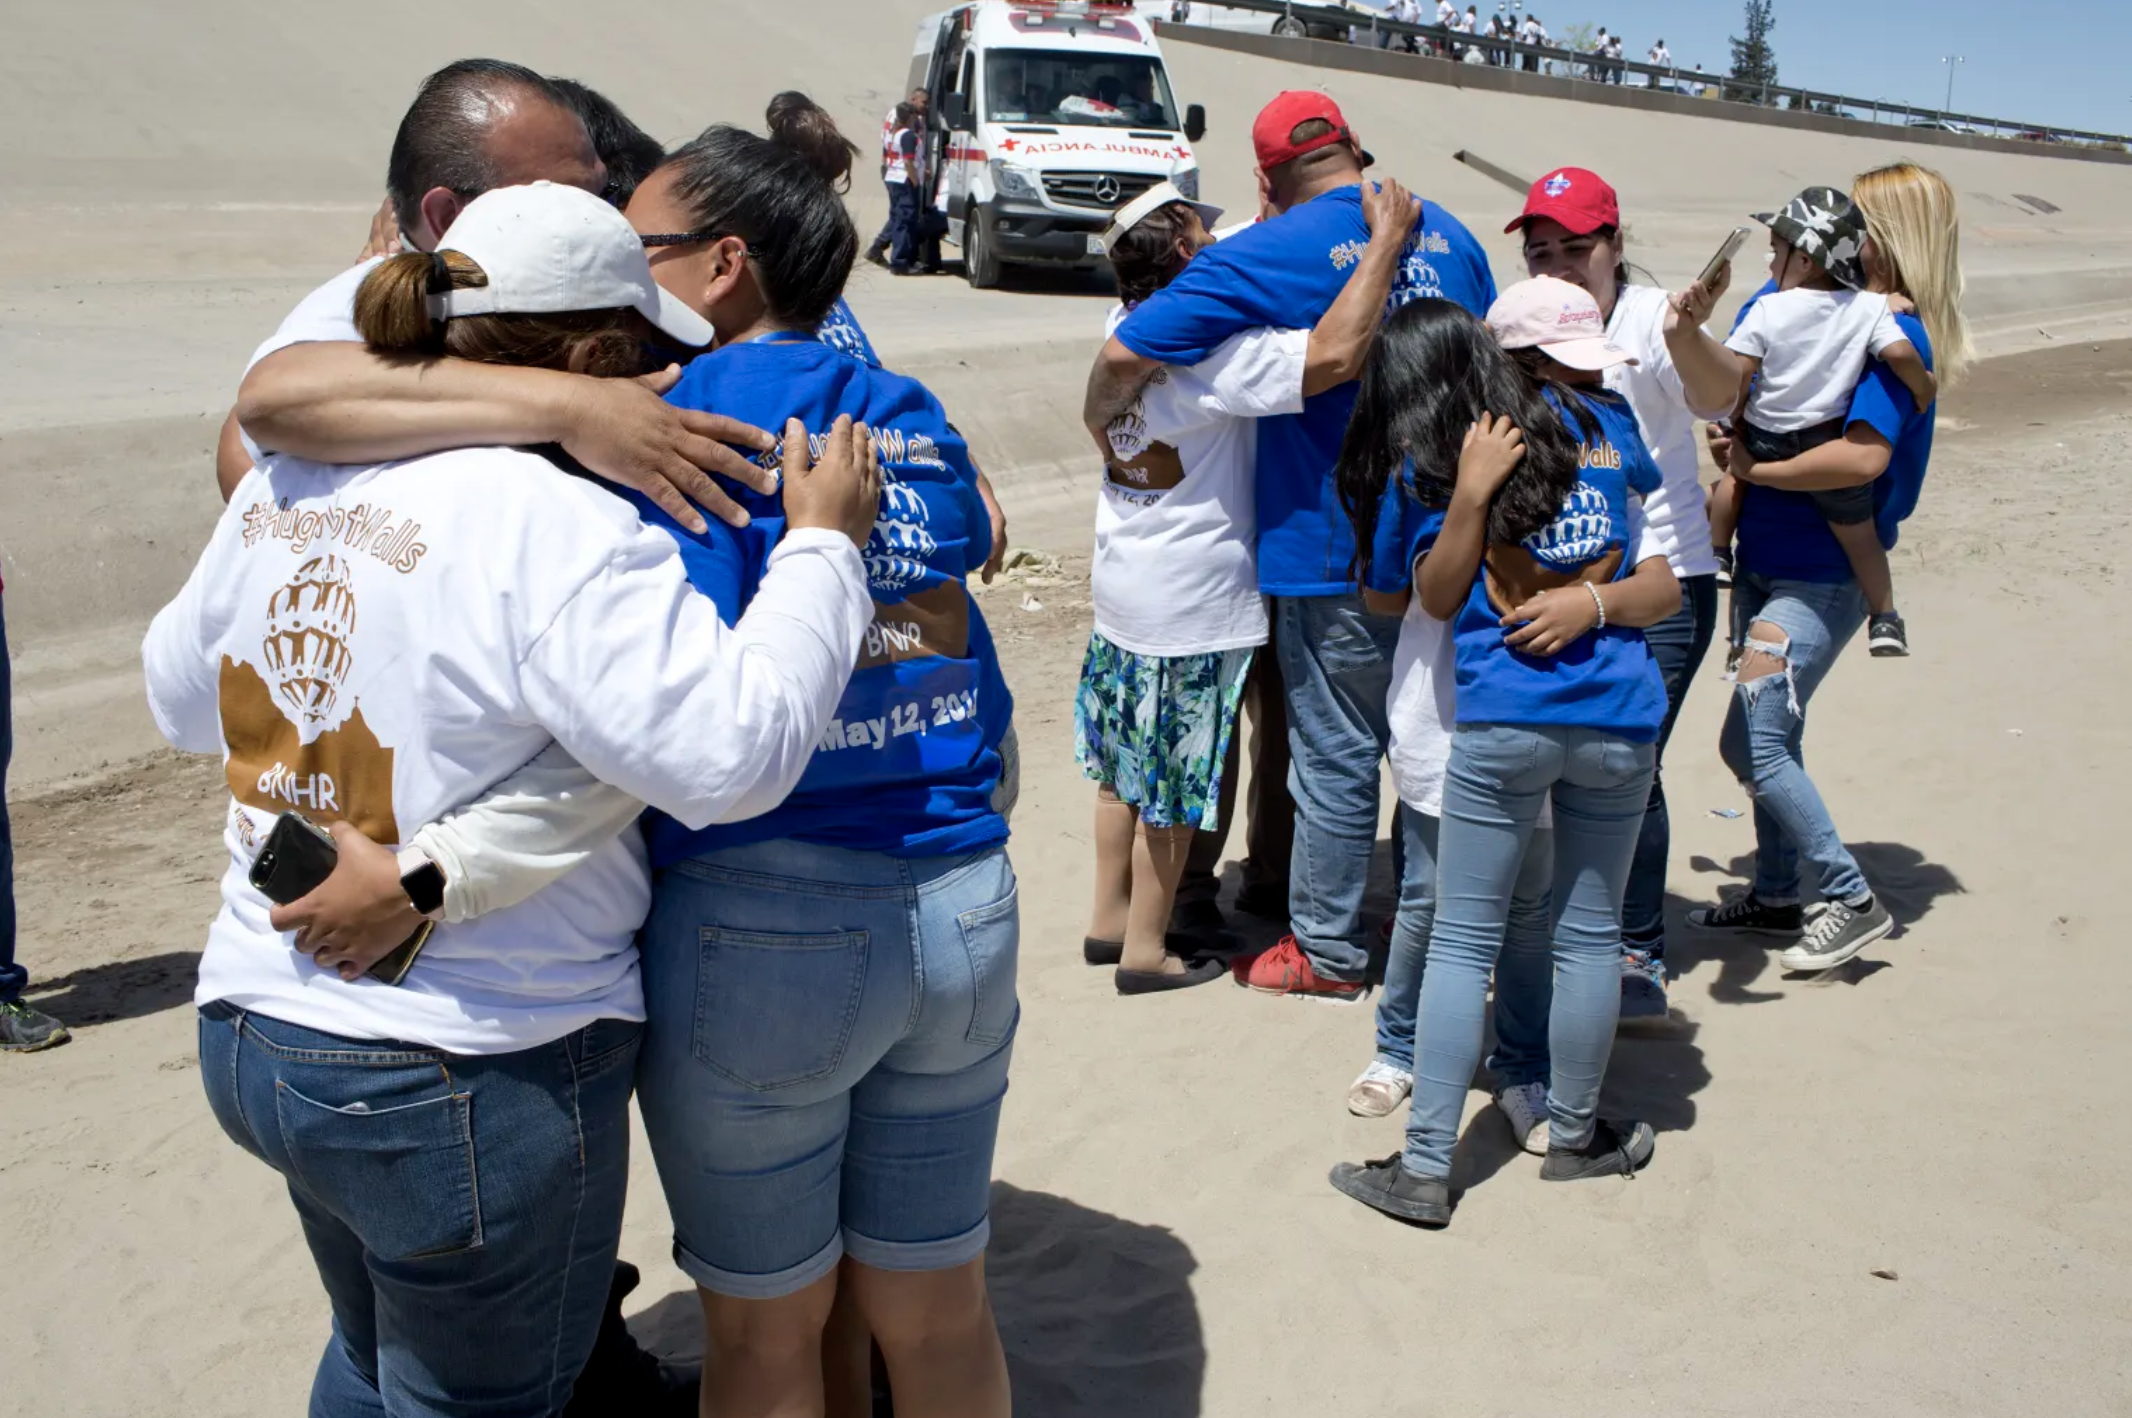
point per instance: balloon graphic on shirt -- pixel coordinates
(900, 546)
(1581, 533)
(310, 622)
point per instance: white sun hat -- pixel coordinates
(548, 249)
(1138, 210)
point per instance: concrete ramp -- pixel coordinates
(175, 177)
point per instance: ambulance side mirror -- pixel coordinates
(955, 111)
(1195, 122)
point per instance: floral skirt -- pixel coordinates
(1157, 728)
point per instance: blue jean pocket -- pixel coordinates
(774, 1011)
(388, 1151)
(992, 935)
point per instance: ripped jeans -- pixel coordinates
(1765, 729)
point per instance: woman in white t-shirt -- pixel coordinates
(1571, 226)
(375, 646)
(1175, 579)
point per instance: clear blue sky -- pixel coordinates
(2038, 63)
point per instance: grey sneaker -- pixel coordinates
(1643, 988)
(1387, 1186)
(1616, 1149)
(24, 1030)
(1524, 1107)
(1749, 916)
(1836, 931)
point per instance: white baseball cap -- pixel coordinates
(1138, 210)
(549, 249)
(1560, 319)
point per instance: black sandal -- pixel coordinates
(1150, 982)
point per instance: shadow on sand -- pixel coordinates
(1096, 1313)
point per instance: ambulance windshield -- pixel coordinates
(1089, 90)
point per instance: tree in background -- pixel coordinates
(1754, 59)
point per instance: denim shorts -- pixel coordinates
(825, 1058)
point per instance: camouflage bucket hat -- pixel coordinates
(1825, 224)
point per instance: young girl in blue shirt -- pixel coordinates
(1523, 472)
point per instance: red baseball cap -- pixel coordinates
(1288, 112)
(1573, 196)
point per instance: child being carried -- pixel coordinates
(1804, 348)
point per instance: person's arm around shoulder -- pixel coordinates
(1341, 343)
(1113, 383)
(716, 724)
(338, 402)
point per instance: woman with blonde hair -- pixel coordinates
(1795, 598)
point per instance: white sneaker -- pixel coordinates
(1379, 1089)
(1524, 1106)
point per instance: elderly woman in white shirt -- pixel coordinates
(375, 646)
(1571, 226)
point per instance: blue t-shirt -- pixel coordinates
(1603, 680)
(1784, 536)
(1284, 275)
(909, 763)
(841, 332)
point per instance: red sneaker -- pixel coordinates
(1285, 970)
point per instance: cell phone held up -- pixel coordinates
(1725, 253)
(295, 861)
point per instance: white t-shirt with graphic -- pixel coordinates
(1813, 345)
(1679, 521)
(384, 644)
(1175, 572)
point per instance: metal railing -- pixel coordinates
(1596, 68)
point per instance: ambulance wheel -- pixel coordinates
(1289, 27)
(980, 261)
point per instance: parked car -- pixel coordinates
(1287, 24)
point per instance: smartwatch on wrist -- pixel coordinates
(423, 881)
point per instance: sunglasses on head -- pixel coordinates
(693, 238)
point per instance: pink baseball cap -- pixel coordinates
(1557, 318)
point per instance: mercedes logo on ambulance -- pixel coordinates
(1106, 189)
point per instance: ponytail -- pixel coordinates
(392, 305)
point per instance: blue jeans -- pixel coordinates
(13, 978)
(1524, 977)
(1763, 741)
(1678, 644)
(456, 1289)
(1336, 666)
(1497, 779)
(827, 1053)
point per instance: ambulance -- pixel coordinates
(1048, 115)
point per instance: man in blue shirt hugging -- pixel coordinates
(1335, 658)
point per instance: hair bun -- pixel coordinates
(803, 127)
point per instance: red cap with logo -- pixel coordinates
(1290, 111)
(1573, 196)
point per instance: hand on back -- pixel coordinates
(623, 431)
(841, 492)
(1391, 211)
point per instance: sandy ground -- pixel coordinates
(1891, 1191)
